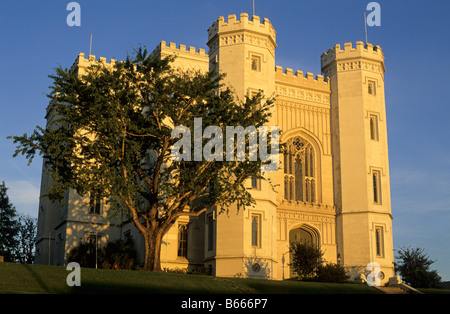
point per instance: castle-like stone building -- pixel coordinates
(334, 186)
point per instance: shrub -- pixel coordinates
(175, 270)
(83, 253)
(331, 273)
(306, 258)
(118, 254)
(202, 270)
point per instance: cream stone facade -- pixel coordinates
(333, 185)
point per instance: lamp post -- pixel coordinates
(166, 243)
(283, 260)
(96, 246)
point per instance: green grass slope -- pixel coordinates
(40, 279)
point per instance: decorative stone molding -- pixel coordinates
(302, 106)
(302, 216)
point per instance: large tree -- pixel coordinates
(26, 239)
(112, 137)
(9, 227)
(413, 265)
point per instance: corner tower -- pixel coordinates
(244, 243)
(360, 152)
(245, 50)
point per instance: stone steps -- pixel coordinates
(393, 290)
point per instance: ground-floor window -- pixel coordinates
(379, 241)
(182, 241)
(256, 230)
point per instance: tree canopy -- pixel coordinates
(414, 267)
(109, 135)
(9, 227)
(17, 231)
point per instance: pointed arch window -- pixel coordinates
(299, 171)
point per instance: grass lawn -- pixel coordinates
(31, 279)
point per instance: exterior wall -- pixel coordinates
(48, 214)
(303, 109)
(357, 155)
(264, 254)
(228, 250)
(234, 46)
(46, 221)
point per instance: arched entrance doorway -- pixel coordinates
(303, 234)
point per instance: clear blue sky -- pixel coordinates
(414, 36)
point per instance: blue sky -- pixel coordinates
(414, 37)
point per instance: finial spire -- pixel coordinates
(254, 7)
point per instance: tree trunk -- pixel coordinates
(153, 250)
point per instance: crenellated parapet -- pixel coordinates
(81, 63)
(308, 80)
(186, 58)
(172, 48)
(243, 30)
(366, 57)
(368, 51)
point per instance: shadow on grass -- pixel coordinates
(41, 284)
(164, 284)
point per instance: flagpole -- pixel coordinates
(90, 45)
(365, 25)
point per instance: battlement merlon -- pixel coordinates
(164, 49)
(299, 79)
(361, 51)
(82, 63)
(221, 26)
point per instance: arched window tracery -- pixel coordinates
(299, 171)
